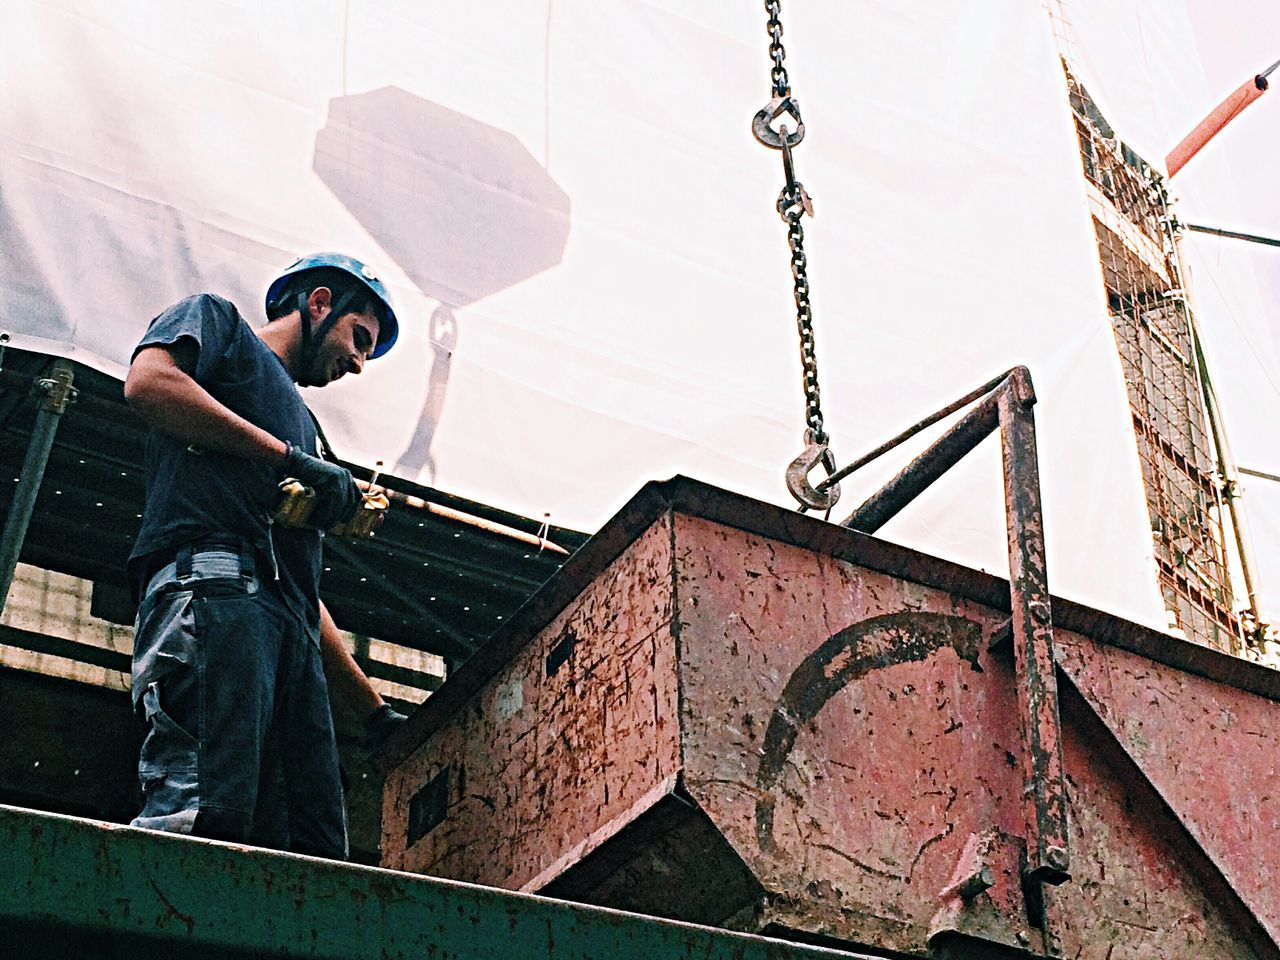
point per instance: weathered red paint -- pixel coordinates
(1032, 625)
(582, 725)
(1208, 749)
(799, 728)
(1007, 407)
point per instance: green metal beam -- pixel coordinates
(96, 890)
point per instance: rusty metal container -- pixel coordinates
(724, 712)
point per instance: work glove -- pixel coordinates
(380, 726)
(337, 496)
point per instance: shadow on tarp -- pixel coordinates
(463, 208)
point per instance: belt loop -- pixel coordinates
(246, 560)
(182, 564)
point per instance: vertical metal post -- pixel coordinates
(58, 394)
(1230, 492)
(1227, 494)
(1032, 628)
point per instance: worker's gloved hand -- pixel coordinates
(381, 725)
(337, 496)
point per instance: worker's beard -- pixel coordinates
(315, 372)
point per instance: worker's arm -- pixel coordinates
(379, 721)
(161, 388)
(348, 684)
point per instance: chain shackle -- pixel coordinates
(815, 454)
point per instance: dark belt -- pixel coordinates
(205, 559)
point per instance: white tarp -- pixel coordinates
(579, 230)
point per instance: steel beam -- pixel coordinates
(58, 393)
(1031, 619)
(915, 478)
(1007, 408)
(95, 890)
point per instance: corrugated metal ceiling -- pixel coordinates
(425, 581)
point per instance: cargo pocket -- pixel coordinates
(166, 694)
(164, 640)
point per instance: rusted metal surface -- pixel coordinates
(576, 738)
(92, 891)
(656, 499)
(842, 754)
(1008, 408)
(1141, 885)
(1031, 620)
(830, 731)
(1208, 749)
(984, 904)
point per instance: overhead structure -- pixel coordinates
(575, 324)
(1178, 442)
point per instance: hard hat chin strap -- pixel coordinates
(312, 339)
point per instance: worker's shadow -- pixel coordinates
(462, 207)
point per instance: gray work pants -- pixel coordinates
(240, 743)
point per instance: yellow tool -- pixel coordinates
(297, 501)
(373, 510)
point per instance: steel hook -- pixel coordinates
(815, 454)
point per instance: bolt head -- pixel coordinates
(1056, 857)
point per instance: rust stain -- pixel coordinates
(853, 652)
(188, 921)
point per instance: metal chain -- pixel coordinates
(793, 204)
(804, 316)
(781, 82)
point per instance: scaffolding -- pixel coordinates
(1153, 328)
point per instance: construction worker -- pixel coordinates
(233, 645)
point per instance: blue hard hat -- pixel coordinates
(388, 327)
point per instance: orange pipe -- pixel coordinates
(457, 516)
(1209, 127)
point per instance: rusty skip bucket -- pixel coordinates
(724, 712)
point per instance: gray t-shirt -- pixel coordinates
(194, 493)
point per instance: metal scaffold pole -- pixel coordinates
(58, 395)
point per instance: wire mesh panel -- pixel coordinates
(1150, 317)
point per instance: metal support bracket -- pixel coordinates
(983, 903)
(1031, 617)
(1005, 404)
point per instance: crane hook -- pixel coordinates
(798, 484)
